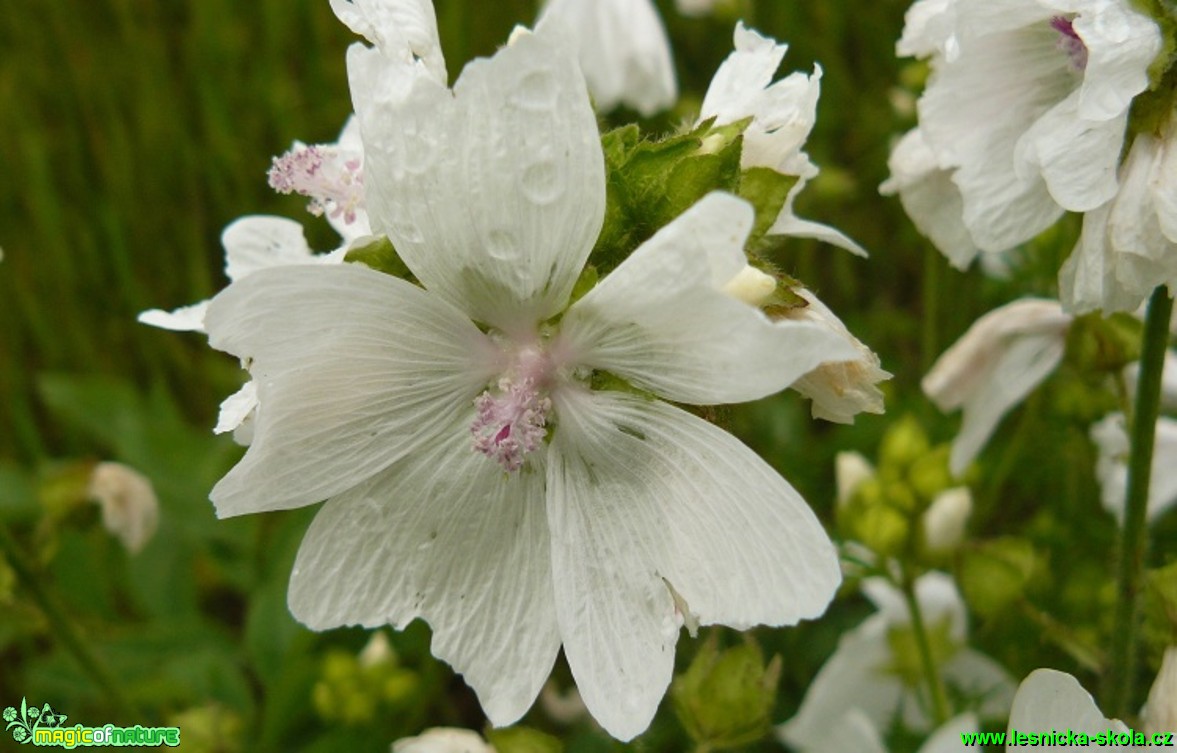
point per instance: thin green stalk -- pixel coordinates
(930, 340)
(65, 630)
(935, 682)
(1135, 535)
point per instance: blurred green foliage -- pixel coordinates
(134, 131)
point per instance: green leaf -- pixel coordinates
(767, 190)
(725, 698)
(381, 256)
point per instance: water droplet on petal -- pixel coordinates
(536, 90)
(542, 181)
(502, 245)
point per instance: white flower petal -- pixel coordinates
(403, 29)
(623, 49)
(938, 597)
(977, 677)
(737, 89)
(928, 28)
(1121, 43)
(853, 732)
(494, 196)
(930, 198)
(1076, 157)
(1088, 279)
(790, 224)
(662, 321)
(445, 536)
(644, 497)
(258, 242)
(948, 737)
(183, 319)
(236, 408)
(443, 740)
(354, 370)
(1050, 700)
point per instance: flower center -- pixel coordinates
(1070, 42)
(512, 420)
(331, 178)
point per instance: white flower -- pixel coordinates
(624, 52)
(443, 740)
(1111, 468)
(993, 366)
(331, 176)
(695, 7)
(856, 732)
(1048, 700)
(783, 114)
(1129, 245)
(474, 478)
(851, 469)
(856, 676)
(1027, 107)
(946, 518)
(840, 390)
(130, 510)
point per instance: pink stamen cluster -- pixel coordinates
(1070, 42)
(512, 423)
(331, 178)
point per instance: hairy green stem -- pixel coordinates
(63, 628)
(1143, 423)
(936, 689)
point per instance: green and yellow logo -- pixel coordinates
(46, 727)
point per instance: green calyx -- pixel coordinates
(725, 698)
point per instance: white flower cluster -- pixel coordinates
(1025, 116)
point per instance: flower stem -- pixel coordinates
(930, 335)
(935, 682)
(1143, 425)
(65, 630)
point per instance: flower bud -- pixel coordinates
(945, 520)
(443, 740)
(904, 443)
(130, 510)
(725, 698)
(851, 469)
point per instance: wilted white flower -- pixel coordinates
(946, 518)
(1111, 468)
(1026, 109)
(130, 510)
(857, 676)
(476, 476)
(783, 113)
(993, 366)
(840, 390)
(443, 740)
(1129, 245)
(624, 52)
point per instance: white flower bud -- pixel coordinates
(945, 519)
(566, 708)
(443, 740)
(130, 510)
(377, 651)
(850, 470)
(751, 286)
(1160, 711)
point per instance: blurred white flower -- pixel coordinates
(993, 366)
(1048, 700)
(783, 113)
(623, 48)
(857, 676)
(130, 510)
(475, 478)
(851, 469)
(857, 733)
(1160, 710)
(1026, 108)
(695, 7)
(840, 390)
(946, 518)
(1111, 468)
(443, 740)
(1129, 245)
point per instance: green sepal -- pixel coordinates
(584, 283)
(649, 183)
(381, 256)
(994, 574)
(523, 740)
(725, 698)
(767, 191)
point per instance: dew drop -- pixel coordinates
(536, 90)
(501, 245)
(542, 181)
